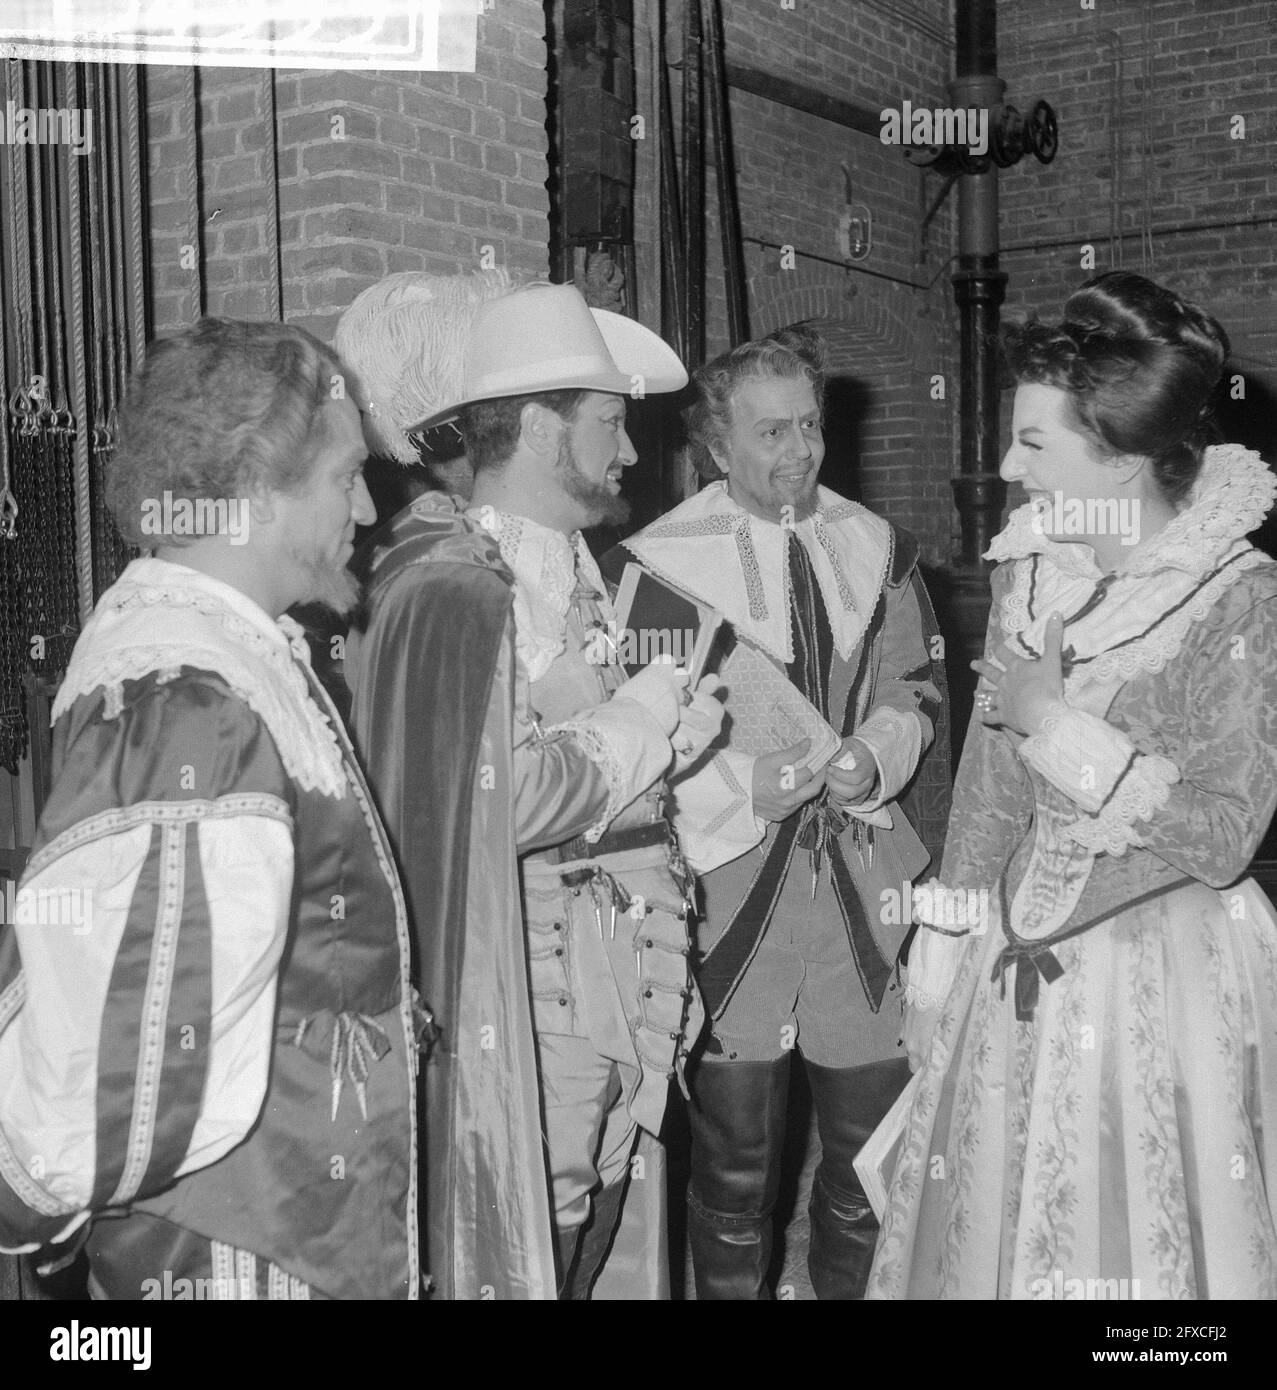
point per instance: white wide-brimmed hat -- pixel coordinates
(547, 338)
(406, 337)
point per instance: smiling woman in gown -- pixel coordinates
(1097, 1105)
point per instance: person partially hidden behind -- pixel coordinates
(207, 1034)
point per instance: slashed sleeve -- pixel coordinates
(136, 1035)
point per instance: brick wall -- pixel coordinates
(378, 172)
(1160, 86)
(435, 167)
(1186, 70)
(889, 443)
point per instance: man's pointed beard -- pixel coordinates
(329, 584)
(605, 508)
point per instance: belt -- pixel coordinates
(659, 832)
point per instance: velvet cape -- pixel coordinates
(432, 677)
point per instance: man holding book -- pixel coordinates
(835, 646)
(534, 804)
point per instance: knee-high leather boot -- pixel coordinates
(850, 1102)
(737, 1119)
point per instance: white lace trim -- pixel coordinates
(600, 750)
(938, 907)
(736, 562)
(919, 998)
(1131, 611)
(1140, 626)
(1233, 493)
(1035, 749)
(159, 617)
(545, 564)
(934, 955)
(738, 797)
(1139, 796)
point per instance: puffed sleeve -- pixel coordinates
(139, 981)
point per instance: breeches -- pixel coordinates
(589, 1133)
(802, 989)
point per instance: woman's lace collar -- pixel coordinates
(1232, 495)
(545, 564)
(1136, 620)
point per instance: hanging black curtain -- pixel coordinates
(73, 305)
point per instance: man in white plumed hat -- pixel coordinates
(406, 336)
(521, 774)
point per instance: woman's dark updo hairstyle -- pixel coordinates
(1140, 365)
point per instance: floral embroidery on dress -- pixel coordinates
(1130, 1152)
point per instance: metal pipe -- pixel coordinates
(694, 185)
(833, 260)
(979, 286)
(798, 96)
(725, 167)
(1179, 229)
(673, 269)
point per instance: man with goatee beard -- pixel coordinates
(798, 858)
(207, 1034)
(522, 776)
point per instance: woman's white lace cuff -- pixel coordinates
(1140, 794)
(933, 961)
(1081, 754)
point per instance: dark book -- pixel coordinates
(654, 618)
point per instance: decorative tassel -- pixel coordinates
(357, 1041)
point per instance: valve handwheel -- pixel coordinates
(1043, 132)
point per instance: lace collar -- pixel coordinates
(159, 616)
(738, 563)
(1232, 495)
(1137, 619)
(546, 565)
